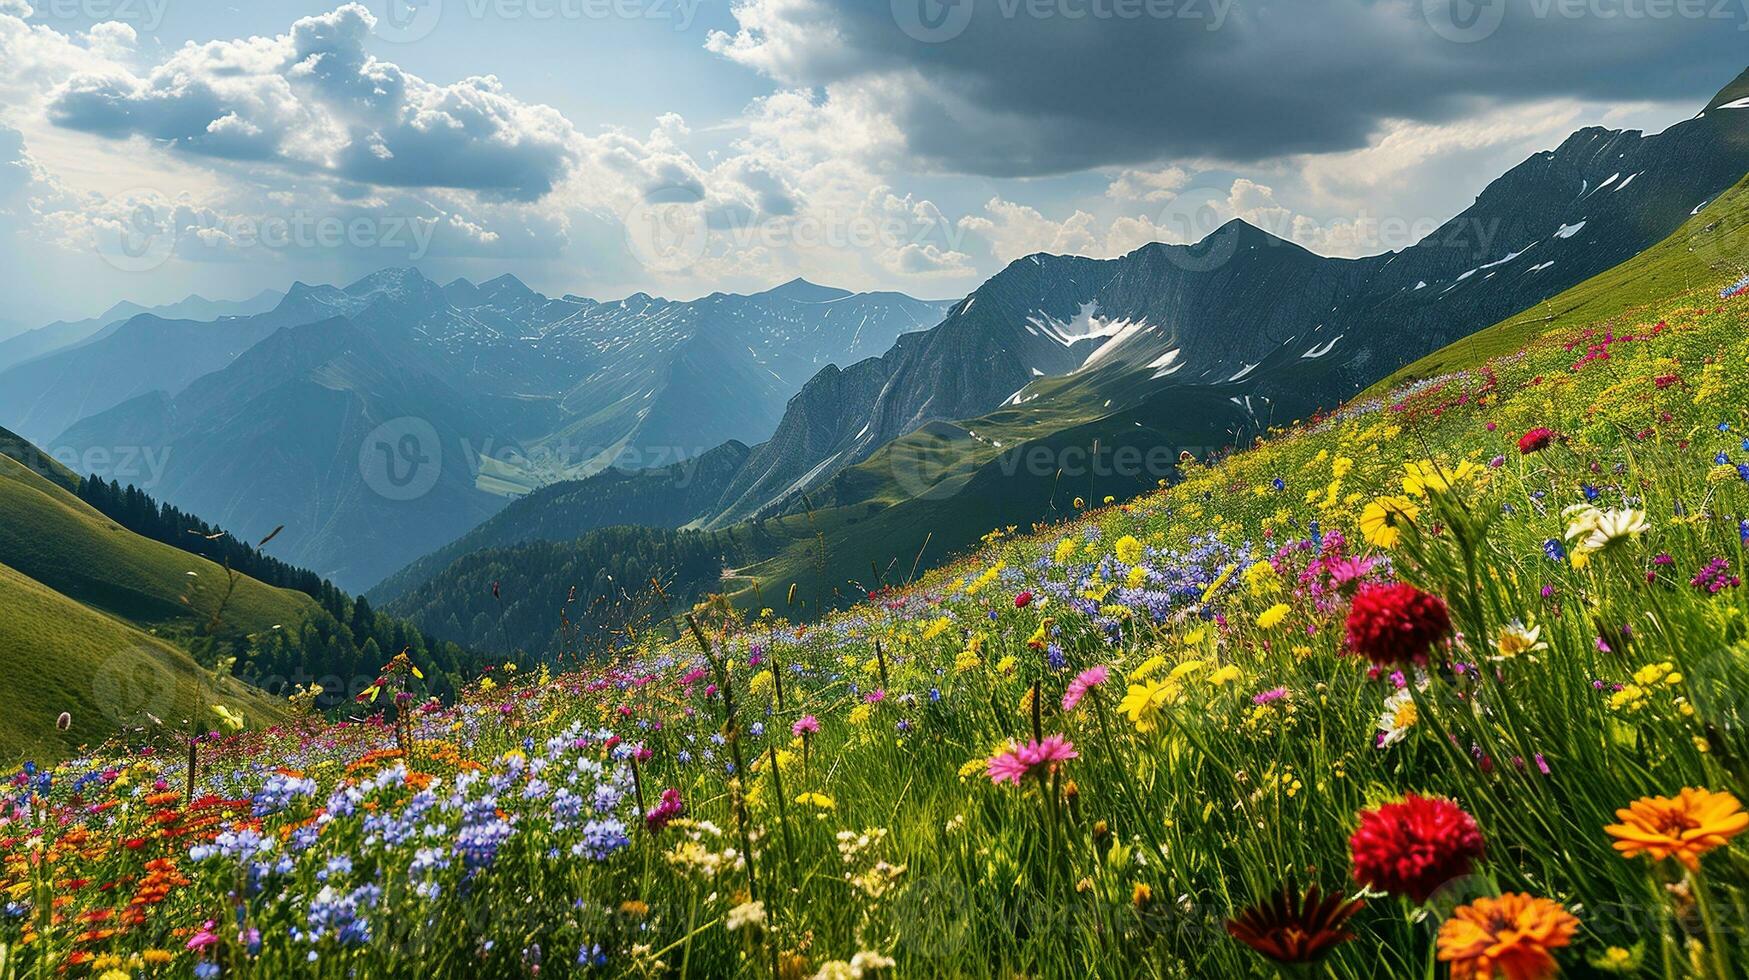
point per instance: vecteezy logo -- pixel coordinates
(926, 464)
(406, 21)
(1464, 21)
(143, 237)
(401, 459)
(667, 231)
(136, 687)
(933, 21)
(1197, 214)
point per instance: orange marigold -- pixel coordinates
(1508, 938)
(1694, 822)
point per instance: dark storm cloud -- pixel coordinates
(1032, 87)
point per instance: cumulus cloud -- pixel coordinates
(312, 100)
(1152, 186)
(1020, 89)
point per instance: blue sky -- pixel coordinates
(153, 148)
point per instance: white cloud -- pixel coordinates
(313, 101)
(1154, 186)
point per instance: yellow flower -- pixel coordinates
(1184, 669)
(819, 801)
(1129, 550)
(1144, 702)
(1383, 520)
(1262, 579)
(1427, 476)
(1226, 675)
(1271, 618)
(1147, 667)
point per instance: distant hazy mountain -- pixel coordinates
(25, 344)
(507, 388)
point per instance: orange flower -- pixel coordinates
(1508, 938)
(1684, 828)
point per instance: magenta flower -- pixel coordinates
(204, 938)
(671, 808)
(1270, 696)
(1034, 758)
(1086, 681)
(805, 725)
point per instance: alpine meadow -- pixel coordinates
(798, 489)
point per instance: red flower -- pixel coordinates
(1396, 624)
(1536, 440)
(1023, 600)
(1414, 847)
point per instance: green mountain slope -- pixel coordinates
(59, 655)
(61, 542)
(99, 622)
(1712, 246)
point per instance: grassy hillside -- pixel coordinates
(1712, 247)
(55, 538)
(98, 621)
(58, 655)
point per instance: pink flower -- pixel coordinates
(1086, 681)
(805, 725)
(204, 938)
(1034, 758)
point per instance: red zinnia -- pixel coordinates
(1536, 440)
(1413, 847)
(1396, 624)
(1023, 600)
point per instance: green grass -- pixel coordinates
(98, 621)
(58, 655)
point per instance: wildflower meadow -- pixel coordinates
(1449, 683)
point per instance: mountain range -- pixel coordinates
(299, 415)
(25, 344)
(1200, 346)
